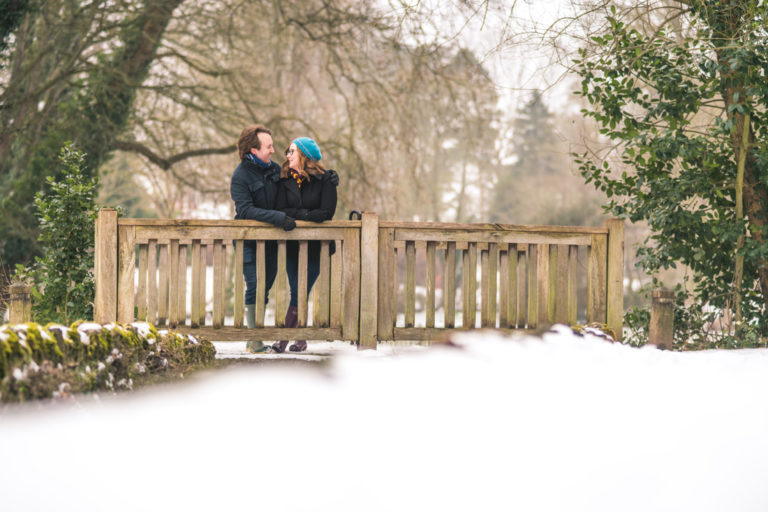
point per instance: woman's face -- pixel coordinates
(293, 156)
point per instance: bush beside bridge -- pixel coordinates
(56, 361)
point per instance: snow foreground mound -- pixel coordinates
(558, 423)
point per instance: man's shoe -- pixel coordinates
(256, 347)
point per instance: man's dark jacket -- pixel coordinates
(254, 190)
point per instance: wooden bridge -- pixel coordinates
(162, 271)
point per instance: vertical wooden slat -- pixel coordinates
(533, 304)
(369, 280)
(313, 297)
(465, 289)
(105, 266)
(430, 284)
(397, 297)
(162, 286)
(386, 320)
(281, 285)
(126, 273)
(323, 287)
(218, 277)
(472, 295)
(596, 279)
(152, 282)
(484, 288)
(261, 283)
(493, 263)
(203, 279)
(302, 282)
(336, 281)
(504, 287)
(182, 295)
(615, 276)
(522, 285)
(410, 283)
(561, 301)
(542, 284)
(141, 295)
(351, 286)
(239, 282)
(552, 294)
(173, 306)
(195, 319)
(222, 284)
(449, 295)
(514, 283)
(573, 254)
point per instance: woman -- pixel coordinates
(307, 192)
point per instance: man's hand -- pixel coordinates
(289, 223)
(333, 177)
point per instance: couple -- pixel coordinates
(300, 189)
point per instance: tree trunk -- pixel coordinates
(727, 24)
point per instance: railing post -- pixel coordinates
(369, 280)
(661, 331)
(21, 305)
(105, 267)
(615, 277)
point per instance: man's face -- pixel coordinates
(267, 150)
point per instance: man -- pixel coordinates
(254, 190)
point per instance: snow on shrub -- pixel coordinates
(55, 361)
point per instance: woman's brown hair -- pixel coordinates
(307, 167)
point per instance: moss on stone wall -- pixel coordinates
(55, 361)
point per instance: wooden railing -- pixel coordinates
(530, 276)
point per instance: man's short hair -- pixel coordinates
(249, 138)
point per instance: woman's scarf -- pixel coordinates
(297, 176)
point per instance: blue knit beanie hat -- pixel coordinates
(309, 147)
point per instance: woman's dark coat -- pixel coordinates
(315, 201)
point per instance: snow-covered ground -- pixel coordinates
(555, 424)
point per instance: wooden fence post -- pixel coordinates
(369, 280)
(615, 277)
(21, 305)
(105, 267)
(661, 331)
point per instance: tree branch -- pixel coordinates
(167, 163)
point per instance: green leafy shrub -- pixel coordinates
(686, 117)
(62, 277)
(696, 326)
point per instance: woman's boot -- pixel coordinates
(298, 346)
(291, 321)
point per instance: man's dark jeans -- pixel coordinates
(249, 272)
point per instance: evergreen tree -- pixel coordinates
(64, 288)
(539, 188)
